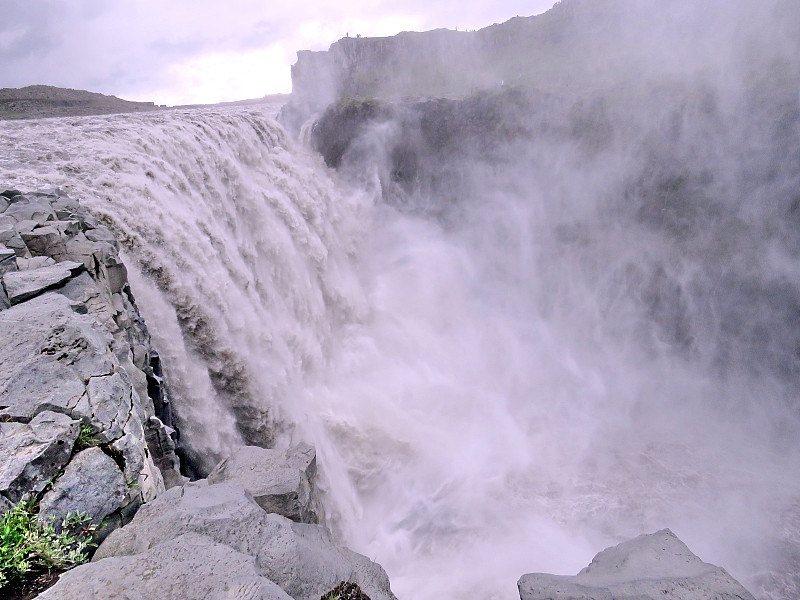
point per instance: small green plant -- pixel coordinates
(28, 546)
(86, 438)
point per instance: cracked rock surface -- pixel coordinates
(33, 453)
(75, 359)
(279, 481)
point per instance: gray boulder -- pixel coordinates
(33, 389)
(34, 262)
(92, 483)
(23, 285)
(32, 454)
(107, 405)
(301, 558)
(189, 567)
(44, 241)
(14, 242)
(37, 210)
(8, 259)
(279, 481)
(657, 566)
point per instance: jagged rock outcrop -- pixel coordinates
(222, 524)
(657, 566)
(279, 481)
(79, 410)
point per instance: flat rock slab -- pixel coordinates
(92, 484)
(23, 285)
(279, 481)
(32, 454)
(35, 210)
(42, 385)
(657, 566)
(301, 558)
(189, 567)
(48, 352)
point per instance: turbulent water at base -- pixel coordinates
(487, 399)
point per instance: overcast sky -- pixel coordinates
(198, 51)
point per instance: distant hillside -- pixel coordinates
(37, 101)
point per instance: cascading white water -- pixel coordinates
(484, 401)
(242, 247)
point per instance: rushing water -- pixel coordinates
(487, 398)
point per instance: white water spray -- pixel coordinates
(482, 405)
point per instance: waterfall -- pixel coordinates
(240, 247)
(503, 392)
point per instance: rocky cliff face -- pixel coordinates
(84, 416)
(577, 47)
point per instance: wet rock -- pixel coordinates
(299, 557)
(101, 234)
(279, 481)
(37, 211)
(23, 285)
(32, 454)
(190, 567)
(92, 483)
(657, 566)
(34, 262)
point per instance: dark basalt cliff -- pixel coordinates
(577, 47)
